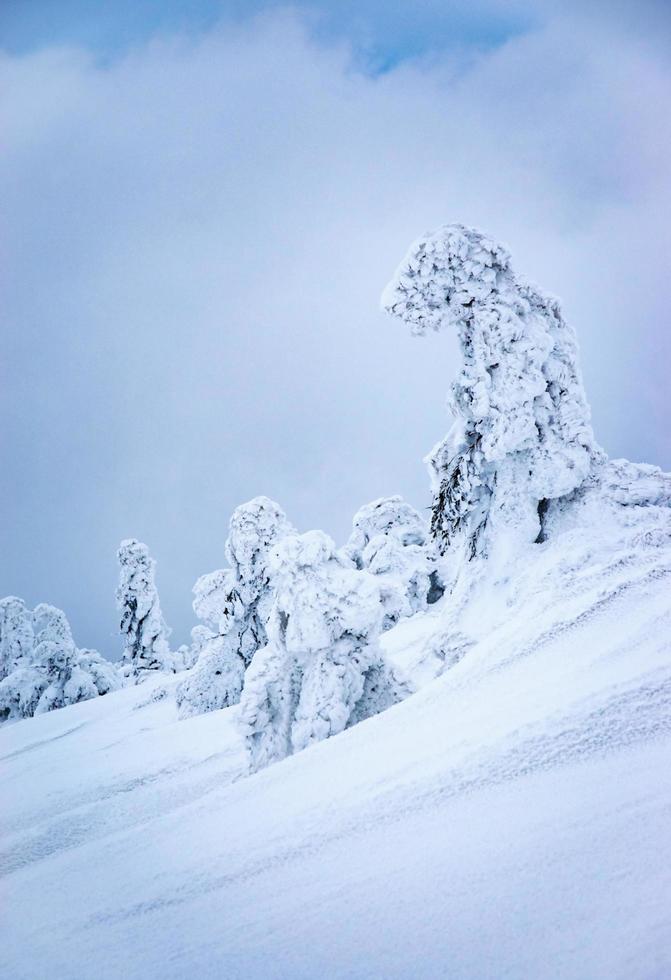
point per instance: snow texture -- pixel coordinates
(142, 627)
(521, 434)
(234, 604)
(322, 669)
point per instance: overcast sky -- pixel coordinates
(202, 203)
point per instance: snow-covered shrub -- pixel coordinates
(522, 434)
(144, 631)
(214, 682)
(104, 674)
(56, 673)
(234, 604)
(20, 693)
(72, 675)
(211, 595)
(390, 539)
(16, 634)
(322, 669)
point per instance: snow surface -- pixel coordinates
(511, 819)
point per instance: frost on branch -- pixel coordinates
(234, 604)
(54, 673)
(390, 539)
(322, 669)
(521, 436)
(144, 632)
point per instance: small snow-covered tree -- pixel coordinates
(144, 631)
(71, 675)
(56, 673)
(234, 604)
(20, 692)
(16, 634)
(522, 435)
(390, 539)
(322, 669)
(216, 678)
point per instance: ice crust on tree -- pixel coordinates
(391, 540)
(521, 435)
(322, 669)
(142, 627)
(234, 604)
(51, 672)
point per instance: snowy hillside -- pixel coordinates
(433, 752)
(510, 820)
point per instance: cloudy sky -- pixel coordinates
(202, 203)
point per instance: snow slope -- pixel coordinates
(510, 819)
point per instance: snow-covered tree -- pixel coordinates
(234, 604)
(72, 675)
(56, 673)
(20, 692)
(144, 631)
(322, 669)
(391, 539)
(216, 678)
(255, 530)
(104, 674)
(17, 636)
(522, 435)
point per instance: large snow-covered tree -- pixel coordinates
(322, 669)
(391, 540)
(144, 631)
(521, 436)
(234, 604)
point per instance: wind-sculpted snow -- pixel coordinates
(521, 435)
